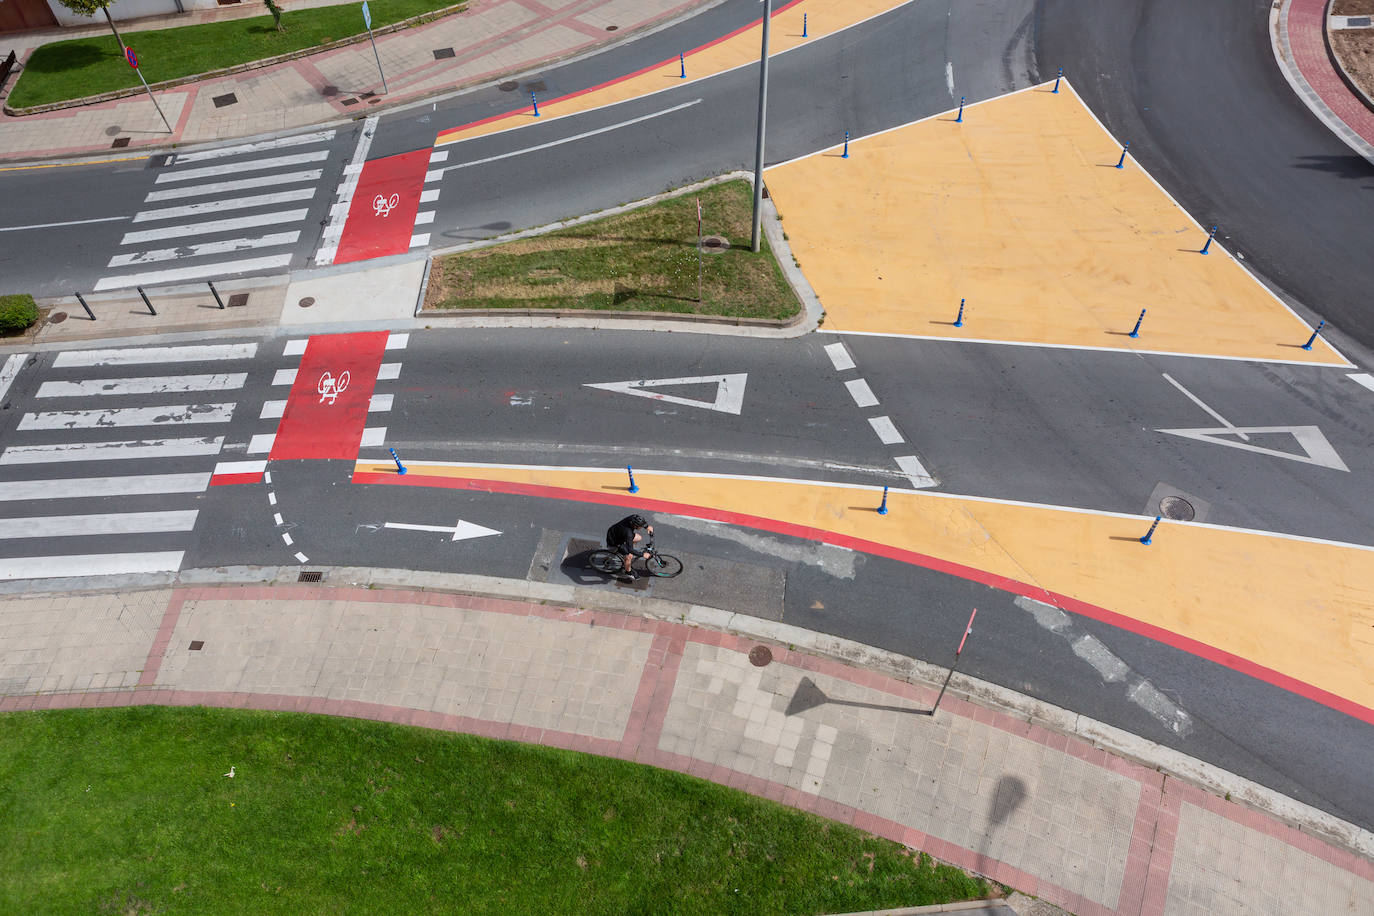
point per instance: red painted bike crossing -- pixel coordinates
(327, 408)
(381, 218)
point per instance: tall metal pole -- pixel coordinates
(763, 111)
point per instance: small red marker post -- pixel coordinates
(967, 630)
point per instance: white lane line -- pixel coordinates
(286, 377)
(162, 384)
(89, 564)
(276, 516)
(302, 558)
(232, 203)
(419, 240)
(251, 165)
(574, 137)
(224, 246)
(112, 451)
(861, 393)
(129, 356)
(87, 487)
(1359, 378)
(75, 222)
(176, 274)
(1198, 401)
(839, 356)
(373, 436)
(424, 218)
(396, 341)
(294, 347)
(380, 403)
(216, 225)
(886, 430)
(229, 187)
(271, 499)
(286, 536)
(258, 147)
(389, 371)
(58, 526)
(272, 410)
(915, 471)
(9, 371)
(240, 467)
(261, 444)
(128, 416)
(949, 77)
(338, 214)
(429, 195)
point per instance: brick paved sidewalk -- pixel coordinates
(1300, 43)
(1044, 812)
(492, 38)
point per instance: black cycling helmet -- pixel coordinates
(639, 521)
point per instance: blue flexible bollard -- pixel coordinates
(882, 510)
(535, 103)
(845, 154)
(1313, 339)
(959, 322)
(400, 468)
(1057, 78)
(803, 25)
(1211, 235)
(960, 118)
(631, 471)
(1135, 331)
(1149, 535)
(1121, 163)
(682, 62)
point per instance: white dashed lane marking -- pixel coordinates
(861, 393)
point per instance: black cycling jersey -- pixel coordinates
(621, 534)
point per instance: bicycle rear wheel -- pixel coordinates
(663, 566)
(607, 561)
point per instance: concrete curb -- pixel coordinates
(1202, 775)
(421, 19)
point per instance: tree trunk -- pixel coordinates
(122, 47)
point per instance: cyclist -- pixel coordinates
(623, 537)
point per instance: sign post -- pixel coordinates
(698, 250)
(367, 21)
(132, 58)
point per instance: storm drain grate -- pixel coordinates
(349, 102)
(310, 575)
(442, 53)
(223, 101)
(197, 645)
(238, 300)
(120, 143)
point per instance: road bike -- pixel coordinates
(655, 564)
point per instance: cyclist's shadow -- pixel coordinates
(577, 564)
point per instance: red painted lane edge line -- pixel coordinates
(619, 79)
(1121, 621)
(221, 480)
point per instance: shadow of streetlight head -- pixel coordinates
(808, 696)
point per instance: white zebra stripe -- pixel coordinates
(158, 384)
(215, 225)
(112, 451)
(128, 416)
(57, 526)
(206, 155)
(251, 165)
(229, 187)
(129, 356)
(89, 487)
(194, 251)
(177, 274)
(232, 203)
(90, 564)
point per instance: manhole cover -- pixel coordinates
(760, 656)
(612, 28)
(57, 317)
(307, 302)
(714, 244)
(1176, 508)
(508, 86)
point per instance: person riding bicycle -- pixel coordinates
(624, 538)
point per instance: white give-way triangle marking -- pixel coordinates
(729, 390)
(1317, 449)
(461, 531)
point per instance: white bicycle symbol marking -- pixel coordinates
(383, 205)
(330, 387)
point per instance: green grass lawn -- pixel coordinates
(643, 260)
(82, 67)
(126, 811)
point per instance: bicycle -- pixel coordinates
(655, 564)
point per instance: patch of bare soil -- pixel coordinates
(1352, 8)
(1355, 50)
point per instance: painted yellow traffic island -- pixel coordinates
(1294, 612)
(793, 24)
(1019, 209)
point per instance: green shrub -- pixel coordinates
(17, 313)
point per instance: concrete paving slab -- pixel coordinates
(363, 293)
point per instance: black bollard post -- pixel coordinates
(218, 300)
(151, 311)
(89, 314)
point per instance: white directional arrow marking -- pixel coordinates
(729, 390)
(1310, 439)
(461, 531)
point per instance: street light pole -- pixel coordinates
(763, 111)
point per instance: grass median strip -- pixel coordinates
(642, 260)
(128, 810)
(81, 67)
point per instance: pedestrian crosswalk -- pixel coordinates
(244, 206)
(111, 452)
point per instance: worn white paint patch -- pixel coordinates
(839, 562)
(1109, 666)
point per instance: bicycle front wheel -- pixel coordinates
(663, 566)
